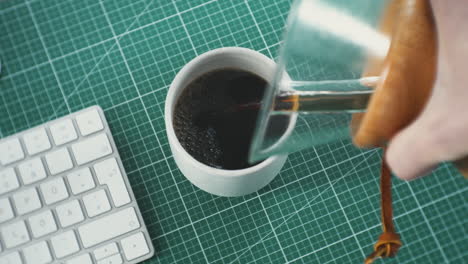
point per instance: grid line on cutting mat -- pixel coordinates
(47, 54)
(134, 83)
(322, 208)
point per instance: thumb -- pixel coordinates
(411, 153)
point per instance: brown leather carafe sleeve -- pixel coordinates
(407, 76)
(407, 73)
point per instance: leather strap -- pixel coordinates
(389, 241)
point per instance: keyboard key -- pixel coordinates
(8, 180)
(58, 161)
(12, 258)
(54, 191)
(6, 212)
(135, 246)
(108, 172)
(96, 203)
(105, 251)
(10, 151)
(15, 234)
(36, 141)
(81, 181)
(63, 132)
(91, 149)
(115, 259)
(26, 201)
(38, 253)
(100, 230)
(64, 244)
(42, 224)
(70, 213)
(32, 171)
(81, 259)
(89, 122)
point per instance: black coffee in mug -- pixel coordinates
(215, 117)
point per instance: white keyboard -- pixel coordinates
(65, 196)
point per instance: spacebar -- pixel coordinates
(108, 227)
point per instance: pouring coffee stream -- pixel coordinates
(331, 98)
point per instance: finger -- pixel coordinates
(411, 153)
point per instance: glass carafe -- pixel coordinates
(321, 78)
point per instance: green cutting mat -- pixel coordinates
(59, 56)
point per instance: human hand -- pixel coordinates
(440, 133)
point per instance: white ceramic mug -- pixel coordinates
(213, 180)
